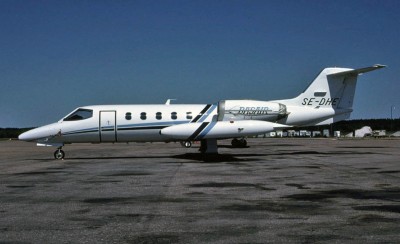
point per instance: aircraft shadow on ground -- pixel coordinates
(218, 157)
(188, 156)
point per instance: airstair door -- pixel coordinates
(107, 126)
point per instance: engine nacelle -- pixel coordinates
(250, 110)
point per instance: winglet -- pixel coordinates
(359, 71)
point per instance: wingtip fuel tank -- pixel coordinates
(219, 129)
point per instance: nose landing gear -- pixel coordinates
(59, 153)
(186, 144)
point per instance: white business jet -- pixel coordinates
(328, 99)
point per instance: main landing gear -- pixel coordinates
(209, 146)
(59, 153)
(239, 143)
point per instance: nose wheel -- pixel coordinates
(59, 154)
(187, 144)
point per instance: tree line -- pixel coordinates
(12, 132)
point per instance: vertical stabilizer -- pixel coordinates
(328, 99)
(333, 88)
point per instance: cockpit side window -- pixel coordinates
(80, 114)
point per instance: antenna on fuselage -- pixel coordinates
(168, 102)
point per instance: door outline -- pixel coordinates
(115, 125)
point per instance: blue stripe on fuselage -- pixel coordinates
(144, 126)
(149, 125)
(208, 113)
(206, 130)
(94, 129)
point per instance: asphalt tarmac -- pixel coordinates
(277, 190)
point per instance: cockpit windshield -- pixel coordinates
(79, 114)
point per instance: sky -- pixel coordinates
(59, 55)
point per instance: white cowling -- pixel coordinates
(250, 110)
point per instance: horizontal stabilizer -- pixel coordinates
(359, 71)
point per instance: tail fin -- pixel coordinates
(333, 87)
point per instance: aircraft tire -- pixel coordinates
(239, 143)
(59, 154)
(187, 144)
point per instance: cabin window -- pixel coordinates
(158, 115)
(319, 94)
(143, 116)
(128, 116)
(174, 115)
(189, 115)
(80, 114)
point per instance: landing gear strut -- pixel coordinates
(59, 153)
(209, 146)
(239, 143)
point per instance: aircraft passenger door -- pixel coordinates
(107, 126)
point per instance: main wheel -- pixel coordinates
(235, 143)
(239, 143)
(59, 154)
(243, 142)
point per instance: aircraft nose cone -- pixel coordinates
(41, 133)
(22, 137)
(26, 136)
